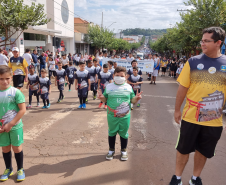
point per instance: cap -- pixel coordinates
(15, 49)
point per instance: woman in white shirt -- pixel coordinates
(65, 61)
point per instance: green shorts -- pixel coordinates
(14, 137)
(118, 125)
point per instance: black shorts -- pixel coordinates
(163, 69)
(197, 137)
(18, 80)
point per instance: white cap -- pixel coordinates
(15, 49)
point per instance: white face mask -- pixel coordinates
(119, 80)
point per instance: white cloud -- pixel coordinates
(157, 14)
(80, 3)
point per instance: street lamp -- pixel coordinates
(111, 24)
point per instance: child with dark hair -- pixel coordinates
(52, 68)
(44, 88)
(110, 68)
(135, 81)
(82, 84)
(104, 78)
(60, 80)
(33, 80)
(93, 77)
(118, 95)
(71, 74)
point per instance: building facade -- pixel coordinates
(61, 28)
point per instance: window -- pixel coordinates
(32, 36)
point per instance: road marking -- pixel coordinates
(171, 111)
(94, 124)
(33, 133)
(140, 125)
(154, 96)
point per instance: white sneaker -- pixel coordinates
(110, 155)
(29, 106)
(38, 104)
(124, 156)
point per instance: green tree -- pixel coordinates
(17, 17)
(100, 38)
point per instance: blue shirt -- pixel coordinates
(35, 58)
(42, 60)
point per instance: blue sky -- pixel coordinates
(153, 14)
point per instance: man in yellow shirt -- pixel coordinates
(203, 83)
(19, 67)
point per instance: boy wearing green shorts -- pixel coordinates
(119, 96)
(12, 108)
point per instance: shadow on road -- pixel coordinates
(68, 167)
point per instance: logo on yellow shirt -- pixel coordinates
(212, 70)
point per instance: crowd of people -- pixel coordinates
(108, 83)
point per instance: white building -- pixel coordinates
(61, 26)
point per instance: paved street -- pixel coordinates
(64, 145)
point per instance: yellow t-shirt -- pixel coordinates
(18, 65)
(206, 79)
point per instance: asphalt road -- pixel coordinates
(64, 145)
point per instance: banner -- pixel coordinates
(144, 65)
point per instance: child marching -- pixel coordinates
(118, 95)
(104, 78)
(110, 68)
(52, 68)
(82, 84)
(33, 86)
(12, 109)
(135, 81)
(71, 74)
(44, 88)
(93, 77)
(60, 80)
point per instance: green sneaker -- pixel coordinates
(86, 100)
(63, 97)
(7, 173)
(138, 105)
(110, 155)
(69, 90)
(59, 101)
(124, 155)
(94, 97)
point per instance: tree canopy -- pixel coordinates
(15, 16)
(102, 38)
(185, 36)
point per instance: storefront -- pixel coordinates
(60, 27)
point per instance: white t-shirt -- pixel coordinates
(52, 65)
(10, 54)
(77, 58)
(3, 60)
(28, 58)
(65, 61)
(130, 59)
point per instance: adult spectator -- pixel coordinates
(3, 59)
(65, 61)
(69, 57)
(130, 58)
(10, 54)
(35, 60)
(42, 62)
(202, 82)
(27, 56)
(19, 67)
(156, 68)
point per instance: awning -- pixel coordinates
(46, 30)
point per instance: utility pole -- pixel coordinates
(102, 22)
